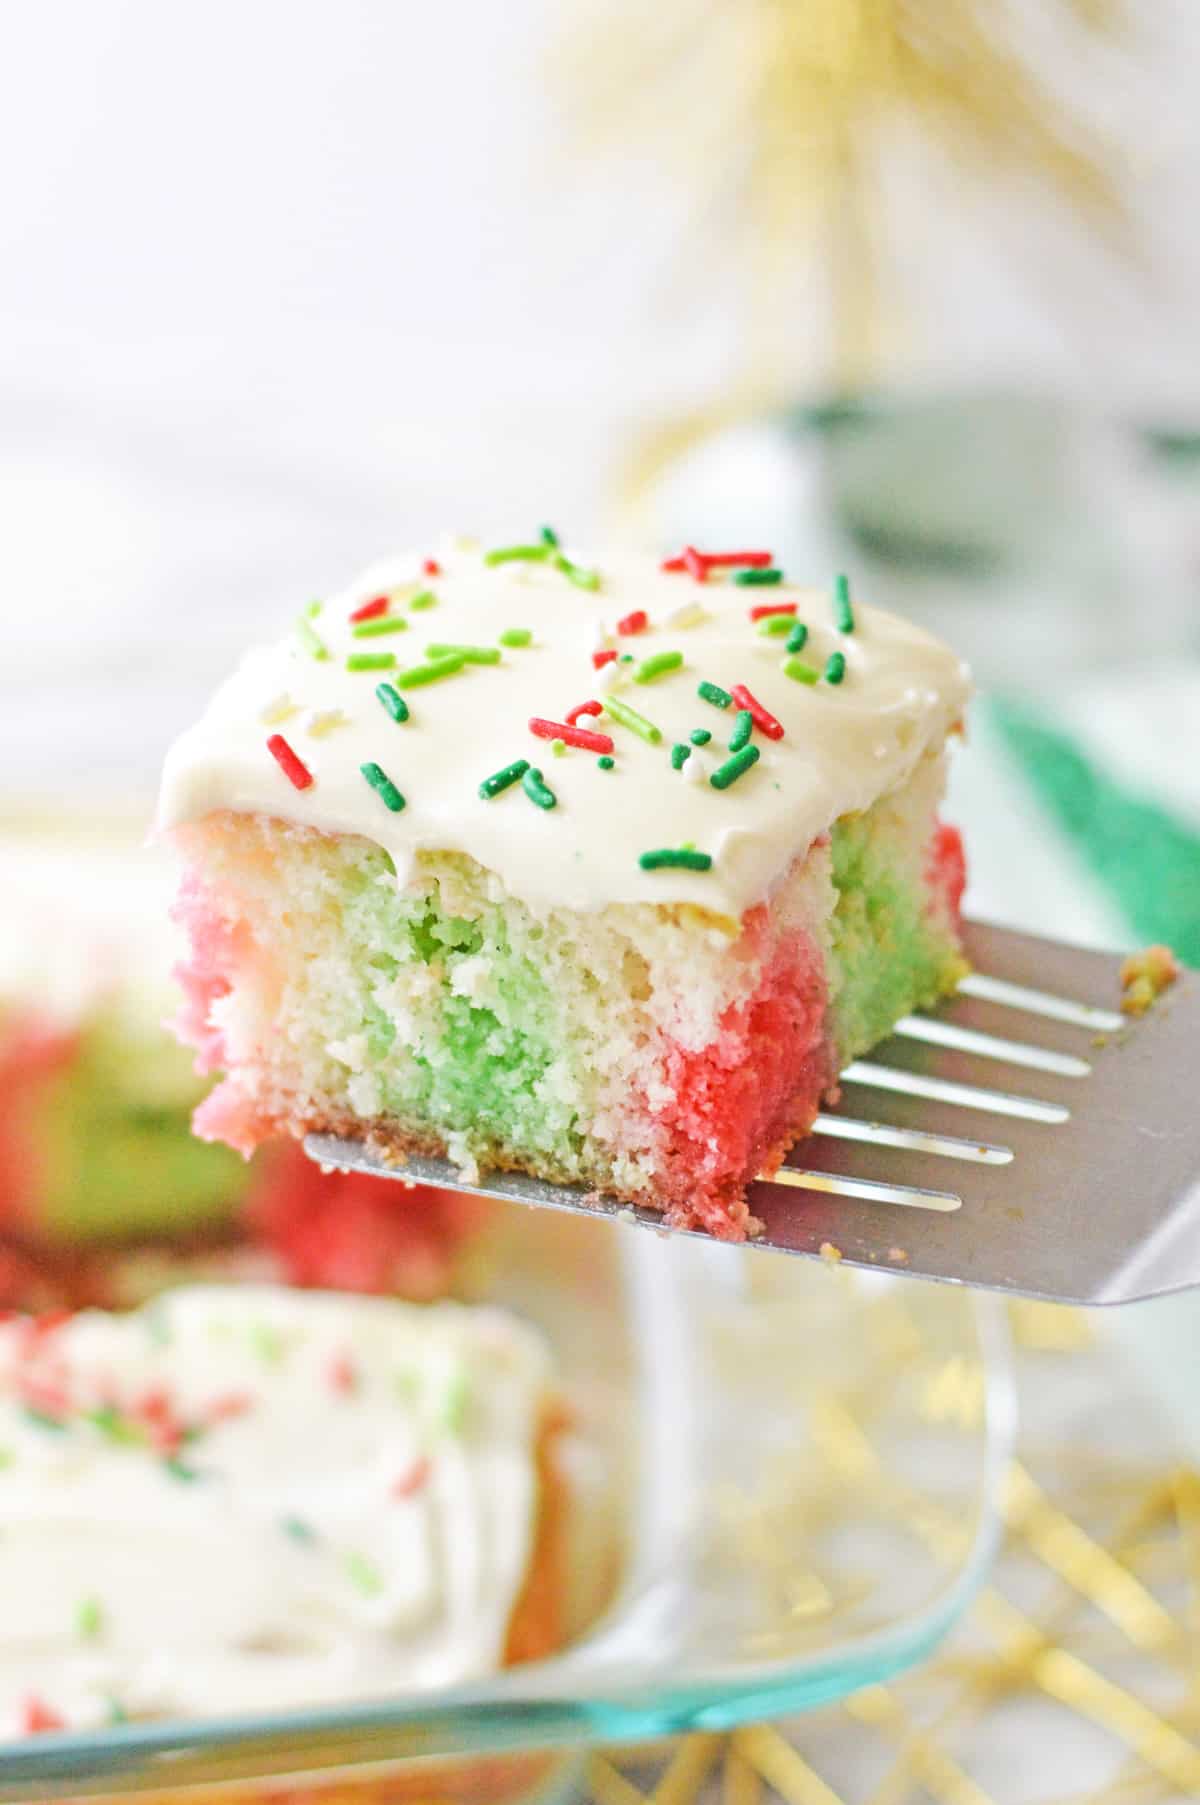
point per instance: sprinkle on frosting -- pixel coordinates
(603, 657)
(536, 788)
(323, 721)
(549, 537)
(734, 767)
(468, 654)
(375, 629)
(432, 672)
(679, 755)
(280, 708)
(699, 736)
(423, 599)
(576, 573)
(501, 780)
(581, 708)
(743, 727)
(89, 1618)
(293, 767)
(797, 638)
(657, 665)
(835, 667)
(371, 610)
(758, 579)
(371, 661)
(799, 671)
(774, 625)
(843, 608)
(637, 723)
(763, 719)
(636, 621)
(383, 786)
(517, 554)
(767, 610)
(606, 763)
(430, 567)
(712, 692)
(571, 735)
(678, 858)
(513, 637)
(363, 1573)
(393, 702)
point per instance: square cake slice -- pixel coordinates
(598, 874)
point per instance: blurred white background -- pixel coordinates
(282, 284)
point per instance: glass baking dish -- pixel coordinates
(784, 1484)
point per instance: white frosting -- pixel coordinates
(174, 1595)
(843, 745)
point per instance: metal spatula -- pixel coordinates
(1024, 1137)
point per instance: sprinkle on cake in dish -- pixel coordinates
(599, 872)
(241, 1498)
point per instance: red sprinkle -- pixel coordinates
(574, 736)
(293, 768)
(432, 568)
(573, 714)
(37, 1716)
(154, 1406)
(718, 560)
(342, 1375)
(412, 1481)
(695, 564)
(369, 610)
(766, 609)
(600, 659)
(762, 720)
(637, 622)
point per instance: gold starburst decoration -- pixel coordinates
(782, 115)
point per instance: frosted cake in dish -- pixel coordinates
(242, 1499)
(600, 873)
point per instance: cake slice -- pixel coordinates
(598, 874)
(245, 1499)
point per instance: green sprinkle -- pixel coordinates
(699, 736)
(835, 669)
(500, 780)
(629, 717)
(743, 727)
(517, 554)
(657, 665)
(395, 704)
(681, 858)
(6, 1458)
(363, 1573)
(559, 748)
(734, 767)
(758, 579)
(536, 787)
(797, 638)
(468, 654)
(42, 1419)
(179, 1469)
(680, 755)
(455, 1403)
(386, 623)
(799, 671)
(843, 608)
(711, 692)
(310, 640)
(298, 1529)
(433, 672)
(575, 573)
(423, 599)
(371, 661)
(605, 762)
(625, 658)
(775, 624)
(312, 609)
(549, 537)
(115, 1427)
(383, 786)
(516, 636)
(89, 1618)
